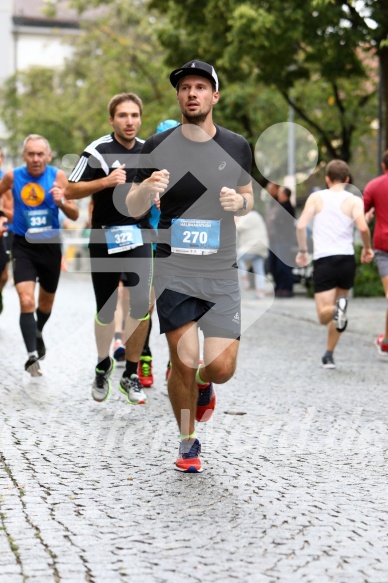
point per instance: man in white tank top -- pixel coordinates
(335, 212)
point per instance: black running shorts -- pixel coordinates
(107, 270)
(334, 271)
(214, 304)
(32, 261)
(4, 256)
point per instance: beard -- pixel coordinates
(126, 139)
(197, 117)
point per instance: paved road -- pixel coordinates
(295, 481)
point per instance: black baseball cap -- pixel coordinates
(195, 68)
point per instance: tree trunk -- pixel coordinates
(383, 53)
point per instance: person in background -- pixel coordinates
(335, 212)
(6, 214)
(122, 307)
(252, 250)
(117, 243)
(376, 204)
(145, 365)
(38, 194)
(145, 368)
(281, 232)
(272, 189)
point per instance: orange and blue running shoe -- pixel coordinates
(188, 459)
(206, 403)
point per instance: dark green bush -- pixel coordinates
(367, 282)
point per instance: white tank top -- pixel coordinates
(333, 230)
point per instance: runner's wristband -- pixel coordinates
(302, 250)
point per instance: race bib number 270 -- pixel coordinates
(195, 236)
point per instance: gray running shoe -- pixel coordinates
(328, 361)
(32, 367)
(340, 319)
(131, 388)
(102, 387)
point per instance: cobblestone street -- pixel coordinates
(294, 487)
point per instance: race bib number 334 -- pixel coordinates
(38, 220)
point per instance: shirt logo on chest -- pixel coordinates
(32, 194)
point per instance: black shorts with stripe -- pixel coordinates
(107, 271)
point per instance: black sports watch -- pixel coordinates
(245, 204)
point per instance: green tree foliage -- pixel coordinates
(118, 52)
(369, 24)
(367, 282)
(315, 54)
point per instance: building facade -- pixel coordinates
(28, 36)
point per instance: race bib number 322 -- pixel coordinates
(123, 238)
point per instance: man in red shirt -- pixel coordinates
(376, 202)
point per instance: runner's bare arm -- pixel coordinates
(6, 183)
(358, 216)
(142, 196)
(233, 200)
(7, 209)
(310, 209)
(370, 214)
(69, 207)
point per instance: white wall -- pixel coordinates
(47, 47)
(6, 43)
(24, 46)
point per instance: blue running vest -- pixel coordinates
(34, 207)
